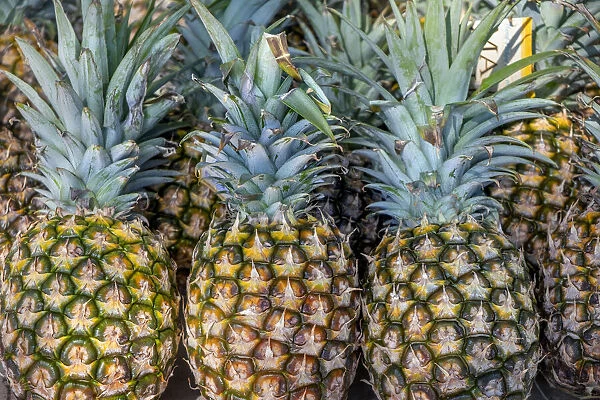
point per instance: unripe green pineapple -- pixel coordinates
(89, 307)
(449, 307)
(273, 300)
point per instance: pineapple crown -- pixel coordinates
(434, 158)
(244, 20)
(561, 24)
(265, 161)
(341, 54)
(97, 136)
(30, 13)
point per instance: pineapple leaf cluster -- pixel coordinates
(244, 21)
(97, 132)
(347, 68)
(266, 157)
(435, 156)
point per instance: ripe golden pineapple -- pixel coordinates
(534, 205)
(539, 195)
(88, 306)
(273, 301)
(449, 303)
(570, 271)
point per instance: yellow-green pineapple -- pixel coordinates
(272, 301)
(449, 302)
(89, 305)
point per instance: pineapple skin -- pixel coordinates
(533, 207)
(571, 304)
(450, 314)
(88, 310)
(273, 311)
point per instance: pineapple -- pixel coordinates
(536, 201)
(18, 200)
(89, 305)
(273, 300)
(570, 269)
(449, 306)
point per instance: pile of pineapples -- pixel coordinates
(175, 170)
